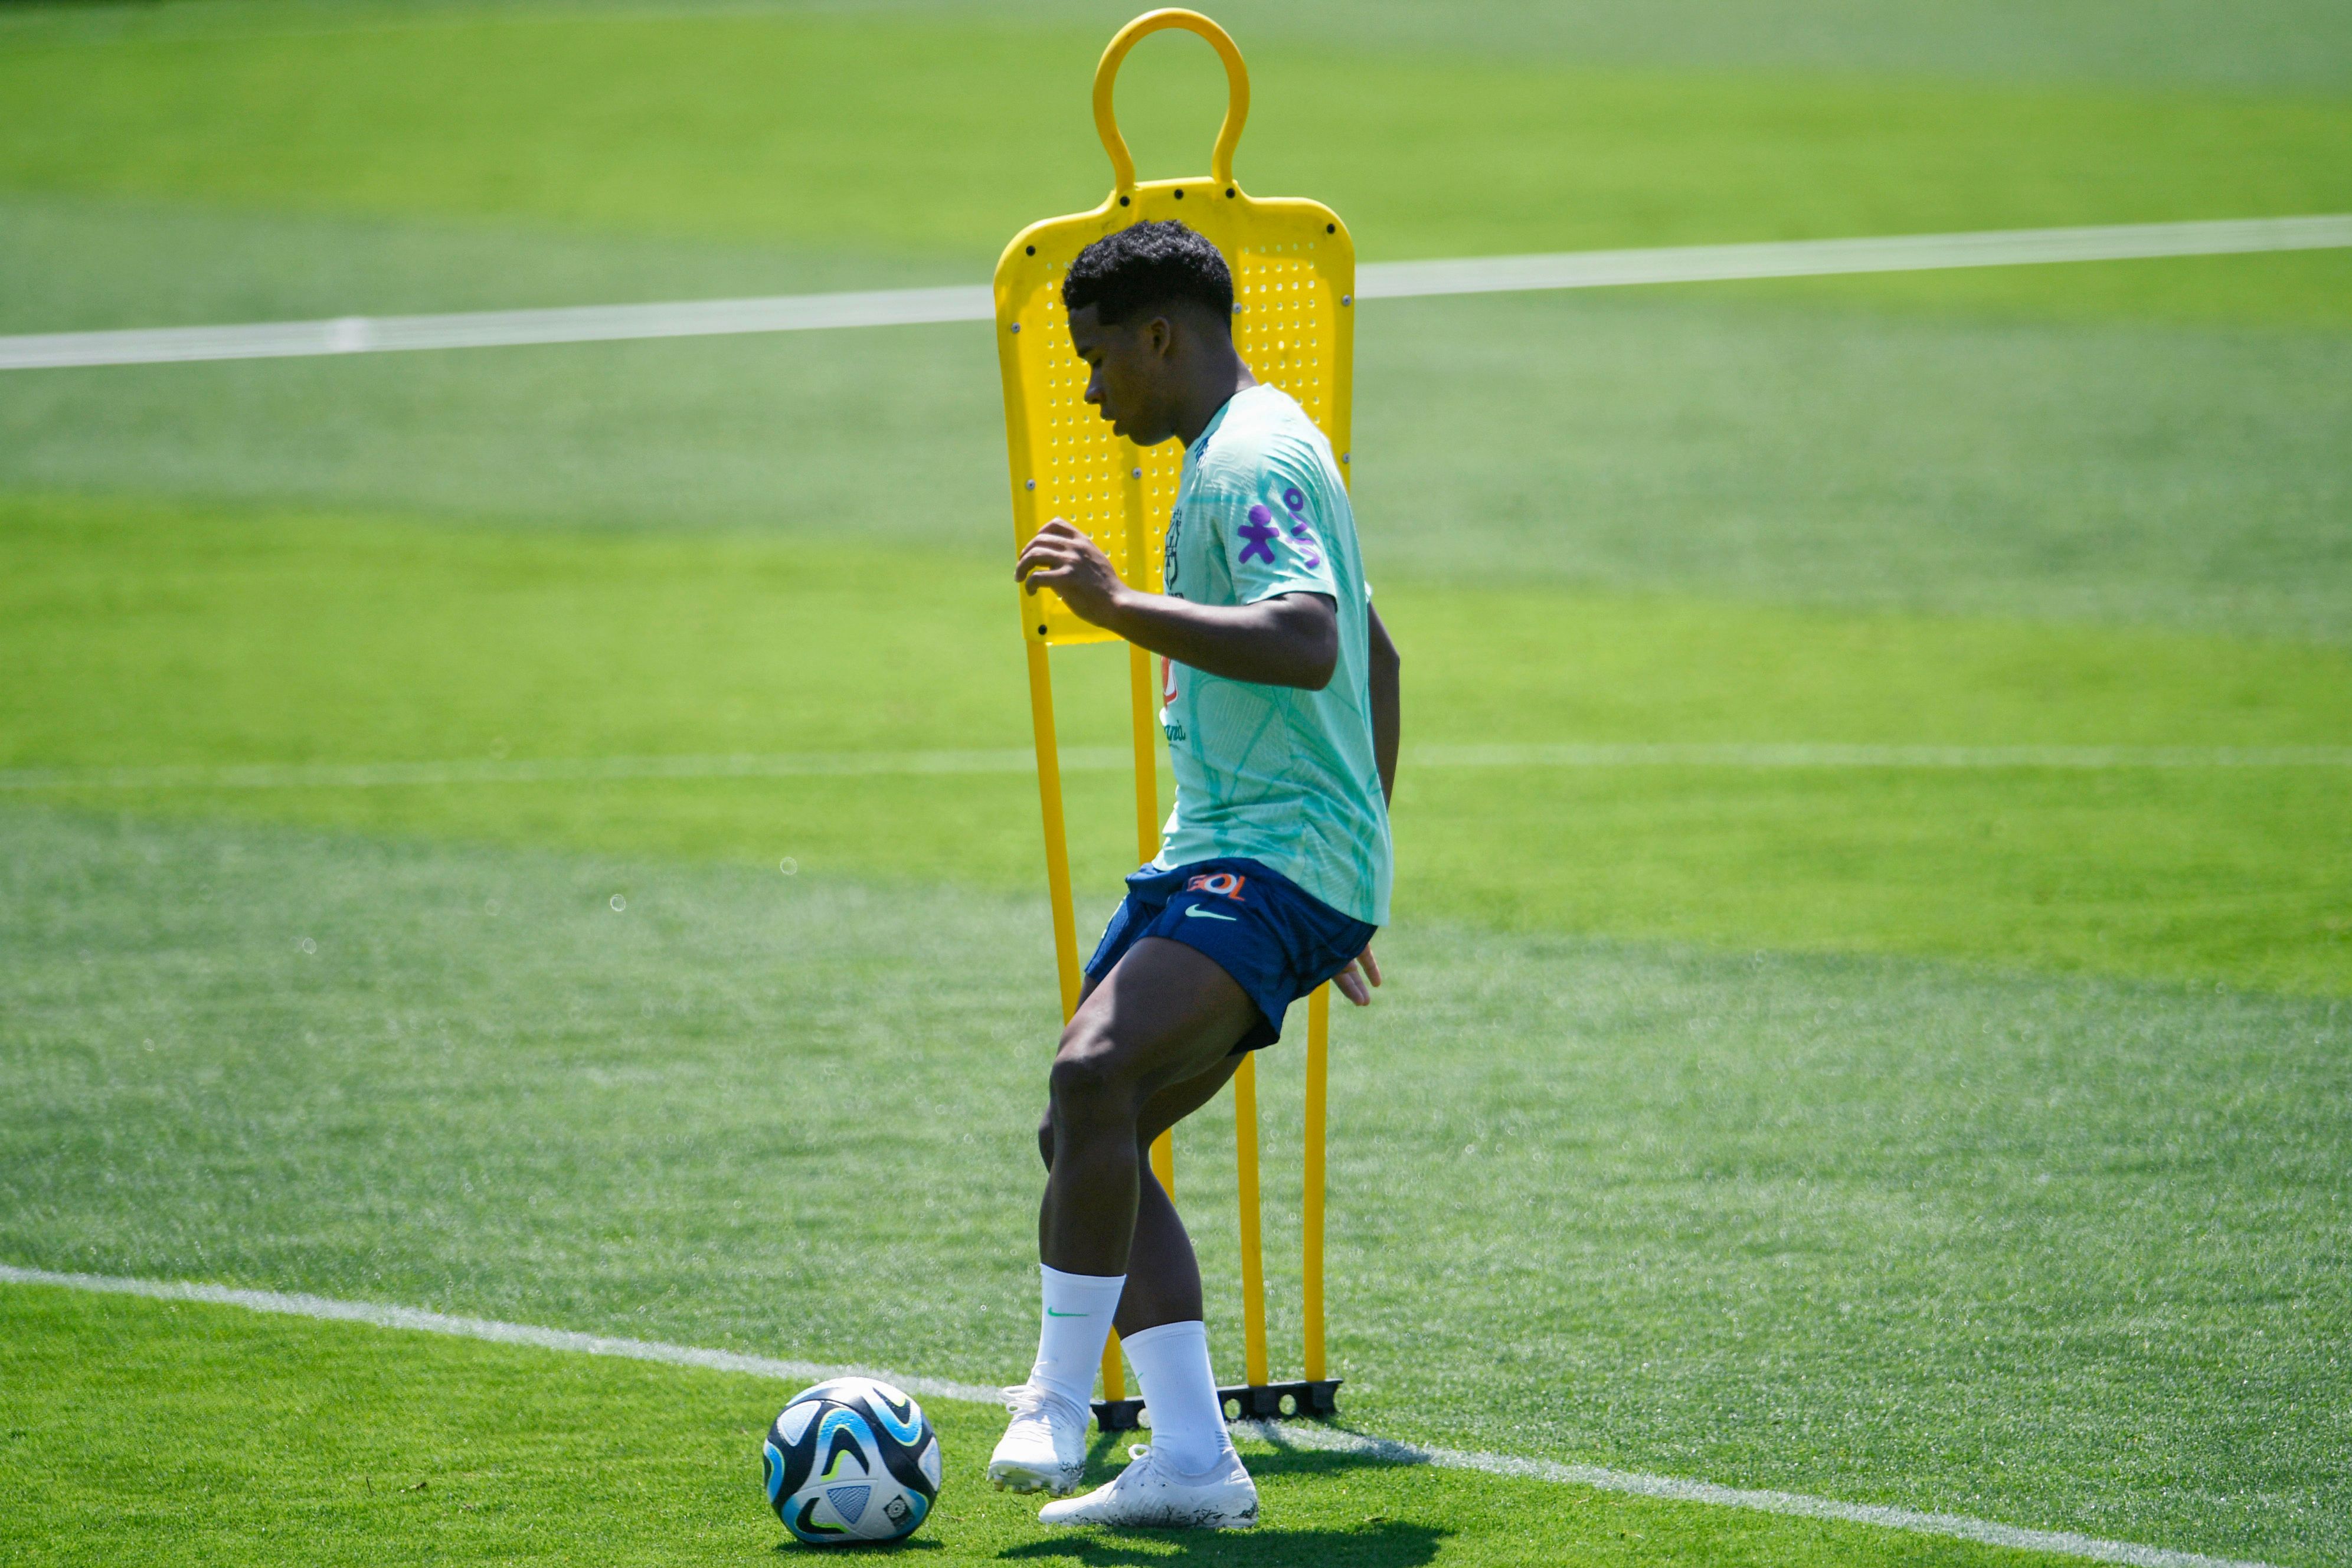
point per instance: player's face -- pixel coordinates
(1133, 366)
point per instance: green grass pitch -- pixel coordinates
(1966, 1140)
(366, 1449)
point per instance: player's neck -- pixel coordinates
(1221, 374)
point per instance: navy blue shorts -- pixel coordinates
(1277, 941)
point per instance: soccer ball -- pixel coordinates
(851, 1459)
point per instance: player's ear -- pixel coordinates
(1159, 338)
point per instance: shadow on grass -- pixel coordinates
(1387, 1544)
(1375, 1544)
(1107, 1455)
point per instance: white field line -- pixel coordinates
(576, 769)
(1807, 754)
(497, 328)
(383, 1317)
(2063, 1543)
(1375, 280)
(1114, 758)
(1826, 258)
(1673, 1488)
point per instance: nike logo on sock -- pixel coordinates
(1052, 1313)
(1196, 913)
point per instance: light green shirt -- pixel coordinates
(1273, 773)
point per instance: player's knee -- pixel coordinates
(1045, 1139)
(1087, 1082)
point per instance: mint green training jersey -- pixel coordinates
(1273, 773)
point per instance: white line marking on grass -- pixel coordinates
(499, 329)
(975, 302)
(2064, 1544)
(1708, 754)
(383, 1317)
(1329, 1439)
(576, 769)
(1113, 758)
(1829, 257)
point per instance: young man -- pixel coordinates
(1280, 687)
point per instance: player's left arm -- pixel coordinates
(1287, 640)
(1386, 704)
(1356, 982)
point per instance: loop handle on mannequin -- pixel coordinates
(1229, 135)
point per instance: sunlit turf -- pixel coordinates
(2193, 476)
(141, 638)
(763, 126)
(2064, 1250)
(2064, 1253)
(180, 1433)
(1792, 452)
(78, 262)
(2274, 45)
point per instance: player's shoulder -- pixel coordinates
(1264, 433)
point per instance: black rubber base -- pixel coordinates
(1282, 1401)
(1267, 1401)
(1248, 1402)
(1118, 1415)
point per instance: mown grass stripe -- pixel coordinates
(1113, 758)
(1668, 1488)
(1377, 280)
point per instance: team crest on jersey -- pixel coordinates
(1168, 568)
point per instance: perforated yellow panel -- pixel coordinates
(1293, 280)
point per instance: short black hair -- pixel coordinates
(1145, 266)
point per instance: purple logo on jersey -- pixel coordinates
(1299, 532)
(1260, 532)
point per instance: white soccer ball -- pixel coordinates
(851, 1459)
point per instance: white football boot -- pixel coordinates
(1045, 1448)
(1151, 1494)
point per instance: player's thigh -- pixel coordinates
(1166, 1014)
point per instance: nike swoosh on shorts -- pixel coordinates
(1196, 913)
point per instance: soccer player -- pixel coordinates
(1279, 688)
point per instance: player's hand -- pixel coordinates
(1357, 980)
(1074, 566)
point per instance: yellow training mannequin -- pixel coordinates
(1294, 271)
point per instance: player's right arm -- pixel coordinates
(1285, 640)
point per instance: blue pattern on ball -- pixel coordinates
(820, 1494)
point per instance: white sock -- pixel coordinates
(1073, 1330)
(1188, 1423)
